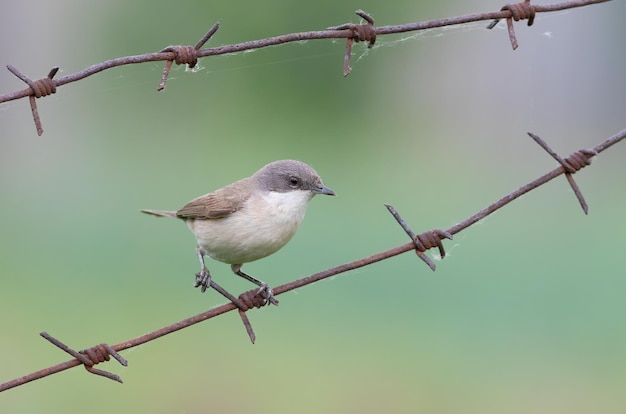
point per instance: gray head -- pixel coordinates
(290, 175)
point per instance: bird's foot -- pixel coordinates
(266, 293)
(203, 279)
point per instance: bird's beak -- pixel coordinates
(323, 190)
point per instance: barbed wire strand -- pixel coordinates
(419, 243)
(366, 32)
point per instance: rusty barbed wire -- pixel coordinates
(185, 55)
(91, 356)
(39, 88)
(519, 11)
(366, 32)
(419, 244)
(424, 241)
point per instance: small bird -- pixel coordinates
(251, 218)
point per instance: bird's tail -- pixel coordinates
(160, 213)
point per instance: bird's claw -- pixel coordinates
(203, 280)
(268, 296)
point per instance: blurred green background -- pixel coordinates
(525, 315)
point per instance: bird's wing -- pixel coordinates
(218, 204)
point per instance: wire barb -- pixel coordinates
(39, 88)
(242, 307)
(571, 164)
(423, 241)
(185, 55)
(255, 298)
(91, 356)
(246, 301)
(519, 11)
(365, 32)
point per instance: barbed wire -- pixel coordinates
(365, 32)
(420, 243)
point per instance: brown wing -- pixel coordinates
(219, 203)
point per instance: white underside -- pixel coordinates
(264, 225)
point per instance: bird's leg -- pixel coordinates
(264, 289)
(203, 277)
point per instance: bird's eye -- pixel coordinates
(294, 181)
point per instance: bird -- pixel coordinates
(249, 219)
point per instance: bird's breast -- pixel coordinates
(263, 225)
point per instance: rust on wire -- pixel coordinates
(519, 11)
(185, 55)
(365, 32)
(91, 356)
(246, 301)
(39, 88)
(324, 274)
(421, 242)
(576, 158)
(424, 241)
(571, 164)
